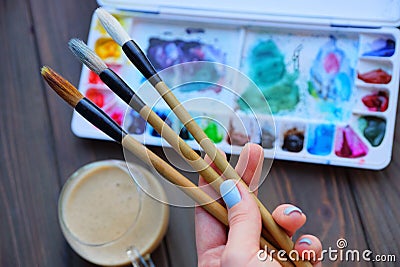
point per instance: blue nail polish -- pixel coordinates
(230, 193)
(292, 209)
(305, 240)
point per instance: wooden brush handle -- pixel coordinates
(190, 189)
(180, 146)
(175, 177)
(197, 162)
(223, 165)
(118, 86)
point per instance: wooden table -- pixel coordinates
(38, 152)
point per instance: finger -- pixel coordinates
(250, 164)
(309, 248)
(289, 217)
(244, 224)
(210, 233)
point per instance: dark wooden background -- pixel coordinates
(38, 152)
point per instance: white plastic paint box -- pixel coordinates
(330, 73)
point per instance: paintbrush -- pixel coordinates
(142, 63)
(90, 59)
(103, 122)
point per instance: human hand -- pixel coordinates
(240, 246)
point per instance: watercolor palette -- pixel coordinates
(332, 90)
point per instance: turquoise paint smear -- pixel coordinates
(269, 73)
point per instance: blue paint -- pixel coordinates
(164, 117)
(138, 124)
(331, 75)
(343, 86)
(381, 48)
(320, 139)
(194, 77)
(166, 53)
(185, 134)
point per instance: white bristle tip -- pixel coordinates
(112, 26)
(87, 56)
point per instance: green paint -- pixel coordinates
(268, 71)
(213, 133)
(373, 128)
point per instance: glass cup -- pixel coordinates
(107, 218)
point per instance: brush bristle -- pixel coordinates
(61, 86)
(86, 55)
(112, 26)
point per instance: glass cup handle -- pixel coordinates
(137, 259)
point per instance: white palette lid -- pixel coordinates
(356, 13)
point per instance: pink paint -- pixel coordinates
(117, 115)
(331, 64)
(348, 144)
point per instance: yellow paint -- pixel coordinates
(106, 47)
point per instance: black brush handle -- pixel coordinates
(100, 119)
(118, 86)
(142, 63)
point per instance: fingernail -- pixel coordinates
(291, 209)
(305, 240)
(230, 193)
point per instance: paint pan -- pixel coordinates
(330, 75)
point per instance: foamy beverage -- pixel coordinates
(103, 212)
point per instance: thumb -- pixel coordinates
(244, 220)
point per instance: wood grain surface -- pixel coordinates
(39, 152)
